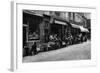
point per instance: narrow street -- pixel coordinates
(80, 51)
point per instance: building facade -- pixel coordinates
(38, 25)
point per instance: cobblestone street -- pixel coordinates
(75, 52)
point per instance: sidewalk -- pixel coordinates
(75, 52)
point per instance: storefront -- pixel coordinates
(37, 29)
(52, 26)
(31, 30)
(59, 27)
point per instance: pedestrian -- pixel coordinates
(34, 49)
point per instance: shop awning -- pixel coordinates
(80, 27)
(84, 29)
(60, 22)
(32, 13)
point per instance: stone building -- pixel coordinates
(45, 23)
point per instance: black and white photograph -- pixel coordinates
(55, 36)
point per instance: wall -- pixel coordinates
(5, 33)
